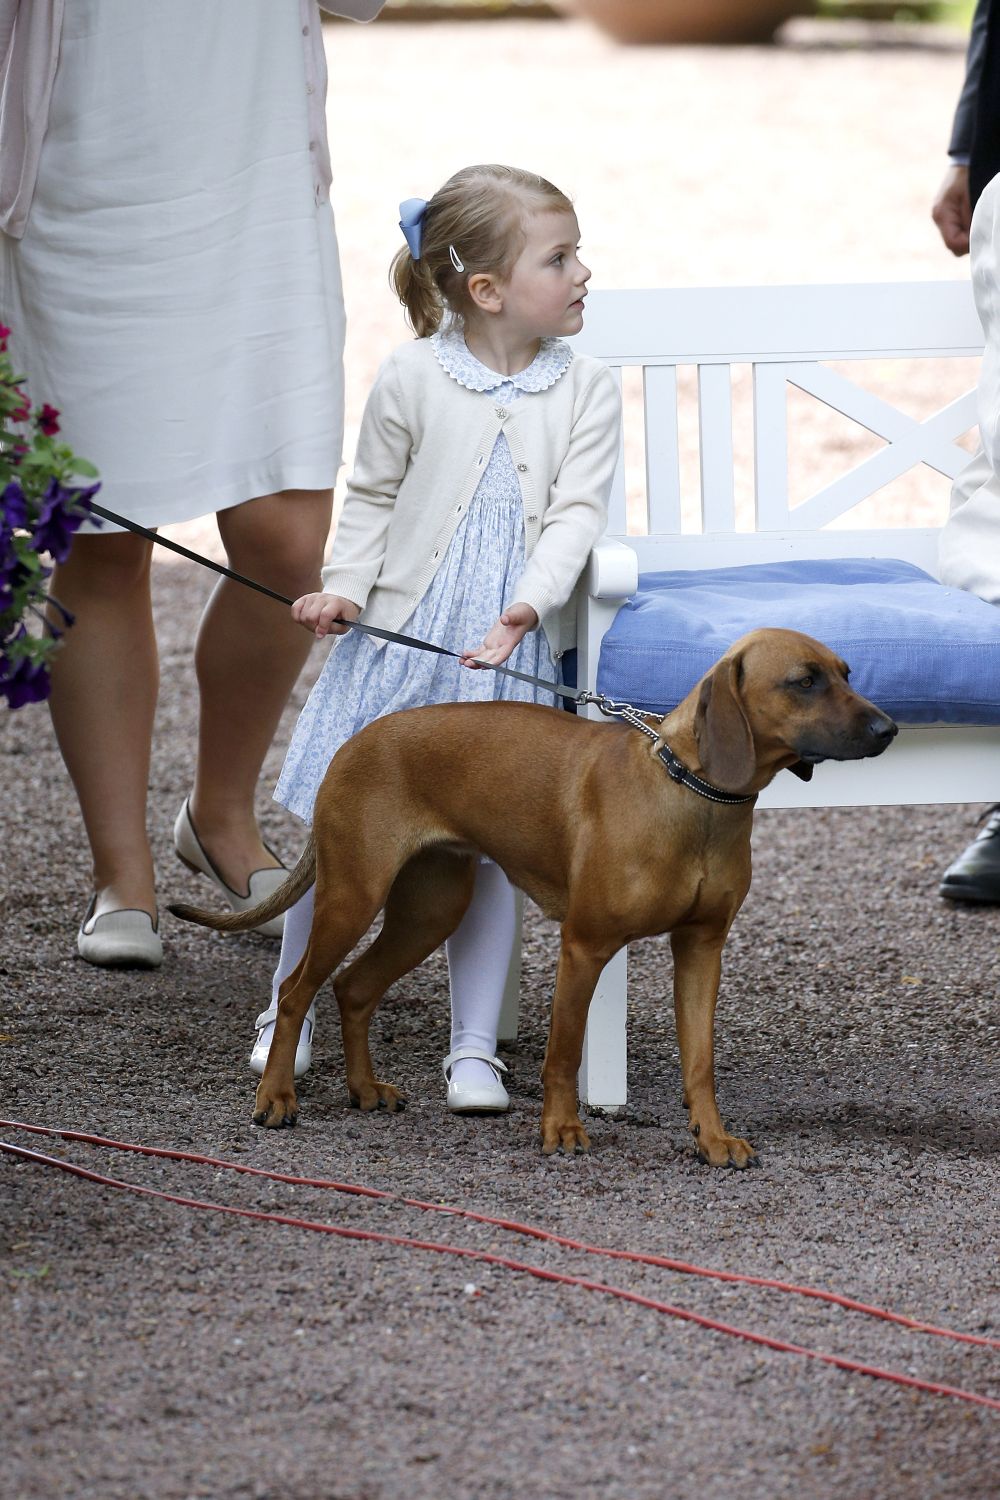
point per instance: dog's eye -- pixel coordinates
(805, 682)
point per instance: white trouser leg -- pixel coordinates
(479, 953)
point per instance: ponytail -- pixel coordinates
(414, 285)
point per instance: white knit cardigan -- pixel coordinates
(425, 441)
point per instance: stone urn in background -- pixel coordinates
(688, 21)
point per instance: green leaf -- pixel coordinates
(30, 1273)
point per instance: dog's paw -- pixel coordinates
(725, 1151)
(274, 1108)
(564, 1136)
(377, 1095)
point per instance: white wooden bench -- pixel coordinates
(788, 337)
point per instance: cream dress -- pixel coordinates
(177, 291)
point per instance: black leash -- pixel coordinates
(675, 768)
(383, 635)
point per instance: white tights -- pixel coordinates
(294, 939)
(479, 953)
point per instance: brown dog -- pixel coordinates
(582, 816)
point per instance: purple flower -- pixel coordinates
(23, 682)
(12, 575)
(13, 507)
(13, 512)
(56, 524)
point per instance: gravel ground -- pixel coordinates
(149, 1350)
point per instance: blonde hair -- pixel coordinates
(480, 214)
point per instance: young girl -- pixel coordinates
(483, 468)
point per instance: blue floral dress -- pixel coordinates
(360, 682)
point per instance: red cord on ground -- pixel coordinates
(488, 1258)
(546, 1235)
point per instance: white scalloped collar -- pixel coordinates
(456, 359)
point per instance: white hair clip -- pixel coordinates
(454, 258)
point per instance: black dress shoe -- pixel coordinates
(975, 874)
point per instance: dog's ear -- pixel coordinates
(721, 727)
(802, 769)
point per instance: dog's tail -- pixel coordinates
(298, 882)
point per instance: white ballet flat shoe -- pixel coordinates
(265, 1032)
(125, 939)
(475, 1098)
(262, 883)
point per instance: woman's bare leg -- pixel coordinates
(248, 655)
(104, 686)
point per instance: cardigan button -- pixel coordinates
(501, 411)
(532, 518)
(522, 468)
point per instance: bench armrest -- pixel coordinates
(612, 570)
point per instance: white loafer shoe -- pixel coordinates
(265, 1032)
(262, 883)
(481, 1098)
(125, 939)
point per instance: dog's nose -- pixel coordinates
(882, 730)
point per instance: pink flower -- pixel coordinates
(48, 420)
(4, 336)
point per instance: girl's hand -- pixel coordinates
(323, 613)
(508, 633)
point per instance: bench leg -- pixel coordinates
(510, 1007)
(602, 1069)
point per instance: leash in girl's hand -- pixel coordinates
(385, 635)
(675, 768)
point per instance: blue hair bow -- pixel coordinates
(411, 222)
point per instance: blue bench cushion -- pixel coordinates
(923, 652)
